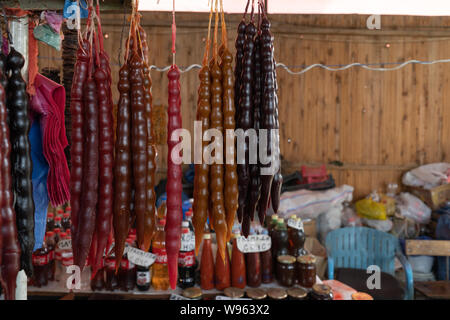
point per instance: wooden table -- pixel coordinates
(434, 289)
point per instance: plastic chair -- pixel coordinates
(360, 247)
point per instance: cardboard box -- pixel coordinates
(310, 227)
(314, 247)
(434, 198)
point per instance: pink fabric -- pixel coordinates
(49, 102)
(54, 20)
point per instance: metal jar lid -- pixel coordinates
(307, 259)
(286, 259)
(233, 292)
(277, 293)
(297, 293)
(256, 293)
(321, 289)
(192, 293)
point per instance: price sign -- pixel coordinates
(139, 257)
(187, 241)
(65, 244)
(295, 223)
(254, 243)
(177, 297)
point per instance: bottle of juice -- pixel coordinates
(223, 271)
(98, 282)
(112, 282)
(127, 272)
(272, 223)
(50, 222)
(281, 241)
(238, 272)
(266, 264)
(51, 245)
(160, 273)
(253, 267)
(207, 264)
(143, 278)
(296, 240)
(40, 266)
(65, 222)
(186, 258)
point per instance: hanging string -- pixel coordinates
(174, 34)
(133, 11)
(246, 9)
(216, 30)
(208, 39)
(224, 27)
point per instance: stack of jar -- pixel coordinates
(293, 264)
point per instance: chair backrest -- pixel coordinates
(360, 247)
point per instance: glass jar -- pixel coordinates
(256, 293)
(321, 292)
(286, 270)
(277, 294)
(233, 292)
(306, 271)
(297, 294)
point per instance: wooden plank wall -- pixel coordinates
(378, 124)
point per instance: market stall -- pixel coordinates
(257, 155)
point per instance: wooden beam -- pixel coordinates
(428, 247)
(58, 5)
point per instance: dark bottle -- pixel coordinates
(51, 246)
(98, 282)
(189, 214)
(186, 258)
(50, 222)
(253, 263)
(143, 278)
(40, 265)
(280, 241)
(58, 222)
(112, 281)
(272, 223)
(297, 238)
(127, 272)
(266, 265)
(65, 222)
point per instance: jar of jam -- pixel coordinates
(277, 294)
(233, 292)
(256, 293)
(286, 270)
(306, 271)
(193, 293)
(297, 294)
(321, 292)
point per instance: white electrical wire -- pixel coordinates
(192, 66)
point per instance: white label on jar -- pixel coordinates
(295, 223)
(142, 278)
(228, 298)
(254, 243)
(177, 297)
(65, 244)
(187, 241)
(139, 257)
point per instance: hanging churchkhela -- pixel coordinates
(135, 163)
(174, 186)
(92, 152)
(9, 243)
(257, 108)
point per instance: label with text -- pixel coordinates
(254, 243)
(295, 224)
(139, 257)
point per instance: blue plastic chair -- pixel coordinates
(360, 247)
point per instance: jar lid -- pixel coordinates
(361, 296)
(307, 259)
(286, 259)
(321, 289)
(233, 292)
(256, 293)
(192, 293)
(277, 293)
(297, 293)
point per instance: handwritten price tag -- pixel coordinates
(65, 244)
(296, 224)
(254, 243)
(187, 242)
(139, 257)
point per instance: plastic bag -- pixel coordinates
(382, 225)
(367, 208)
(427, 176)
(328, 221)
(412, 207)
(350, 218)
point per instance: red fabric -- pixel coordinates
(49, 103)
(16, 12)
(32, 58)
